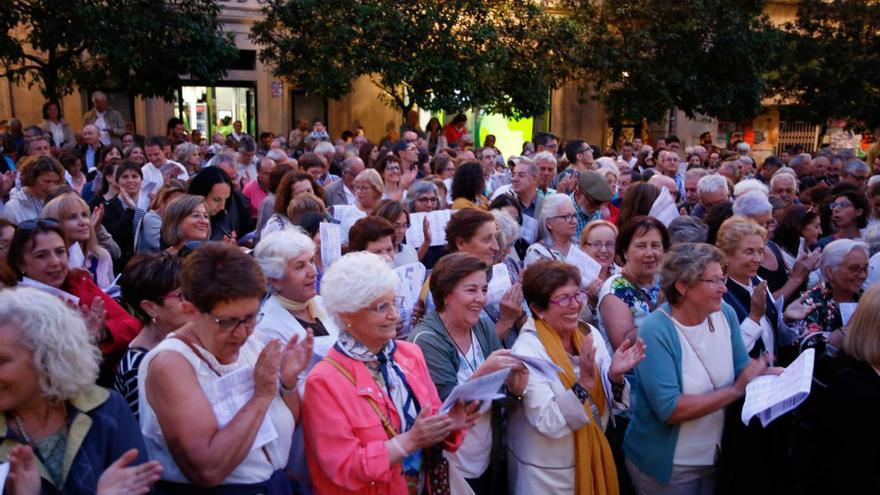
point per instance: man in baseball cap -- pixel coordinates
(590, 195)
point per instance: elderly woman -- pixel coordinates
(459, 344)
(371, 418)
(368, 189)
(287, 259)
(845, 268)
(424, 197)
(38, 254)
(598, 240)
(39, 176)
(187, 154)
(151, 288)
(687, 228)
(555, 440)
(150, 235)
(697, 366)
(182, 378)
(468, 187)
(61, 431)
(849, 457)
(781, 281)
(558, 225)
(395, 212)
(183, 220)
(627, 297)
(84, 251)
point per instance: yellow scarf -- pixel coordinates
(296, 306)
(595, 473)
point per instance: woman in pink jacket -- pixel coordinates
(370, 408)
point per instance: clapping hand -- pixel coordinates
(95, 318)
(625, 358)
(295, 356)
(97, 216)
(24, 476)
(587, 363)
(464, 415)
(799, 309)
(118, 479)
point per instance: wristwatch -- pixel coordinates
(582, 394)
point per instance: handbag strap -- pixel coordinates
(386, 423)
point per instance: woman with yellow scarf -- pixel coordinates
(556, 441)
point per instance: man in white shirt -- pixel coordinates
(236, 131)
(626, 154)
(92, 137)
(109, 122)
(152, 171)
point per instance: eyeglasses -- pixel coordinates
(566, 218)
(392, 168)
(427, 200)
(579, 297)
(608, 246)
(175, 294)
(363, 188)
(384, 308)
(401, 226)
(840, 205)
(229, 325)
(717, 282)
(40, 222)
(855, 270)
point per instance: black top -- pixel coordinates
(318, 329)
(776, 278)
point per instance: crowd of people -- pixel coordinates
(291, 314)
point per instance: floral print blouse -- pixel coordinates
(826, 317)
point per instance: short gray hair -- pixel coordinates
(783, 175)
(354, 281)
(544, 156)
(751, 204)
(418, 188)
(872, 237)
(550, 208)
(276, 249)
(801, 160)
(65, 358)
(836, 251)
(324, 147)
(699, 172)
(508, 228)
(184, 151)
(712, 183)
(247, 144)
(854, 165)
(687, 229)
(743, 148)
(686, 262)
(220, 159)
(348, 162)
(744, 186)
(531, 165)
(277, 155)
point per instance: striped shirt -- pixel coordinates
(126, 379)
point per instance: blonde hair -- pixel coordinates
(862, 339)
(372, 178)
(734, 230)
(168, 188)
(594, 225)
(65, 358)
(67, 204)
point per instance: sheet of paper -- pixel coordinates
(542, 366)
(484, 388)
(846, 312)
(229, 393)
(664, 208)
(347, 215)
(412, 278)
(529, 229)
(437, 221)
(331, 243)
(588, 267)
(499, 284)
(4, 473)
(769, 397)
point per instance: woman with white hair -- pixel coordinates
(287, 259)
(558, 224)
(781, 281)
(372, 412)
(844, 266)
(60, 430)
(187, 154)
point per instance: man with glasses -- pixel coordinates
(546, 141)
(855, 172)
(407, 153)
(341, 192)
(525, 187)
(488, 162)
(591, 194)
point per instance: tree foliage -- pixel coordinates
(503, 55)
(832, 67)
(138, 46)
(644, 57)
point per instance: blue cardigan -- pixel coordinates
(650, 441)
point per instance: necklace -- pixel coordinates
(21, 429)
(467, 360)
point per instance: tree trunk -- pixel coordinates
(49, 74)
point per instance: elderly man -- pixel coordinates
(832, 174)
(109, 122)
(669, 165)
(257, 190)
(341, 192)
(412, 125)
(246, 160)
(525, 187)
(39, 146)
(711, 190)
(327, 153)
(785, 187)
(661, 181)
(589, 198)
(691, 179)
(546, 163)
(89, 149)
(855, 172)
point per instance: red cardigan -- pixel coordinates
(121, 326)
(345, 441)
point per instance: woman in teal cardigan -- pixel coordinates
(695, 366)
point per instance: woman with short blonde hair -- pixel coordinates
(368, 188)
(83, 249)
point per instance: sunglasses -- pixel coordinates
(41, 222)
